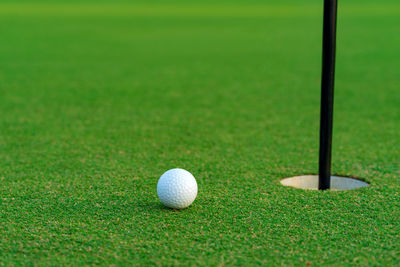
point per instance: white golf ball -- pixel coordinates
(177, 188)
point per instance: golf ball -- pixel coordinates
(177, 188)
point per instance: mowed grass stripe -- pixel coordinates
(189, 10)
(156, 10)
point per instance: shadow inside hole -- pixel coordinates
(338, 183)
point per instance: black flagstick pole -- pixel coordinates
(328, 77)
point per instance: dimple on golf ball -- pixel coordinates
(177, 188)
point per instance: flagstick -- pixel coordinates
(327, 85)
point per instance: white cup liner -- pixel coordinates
(311, 182)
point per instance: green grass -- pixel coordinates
(98, 100)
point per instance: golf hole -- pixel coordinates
(311, 182)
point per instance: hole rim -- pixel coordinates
(351, 182)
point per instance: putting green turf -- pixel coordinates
(98, 100)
